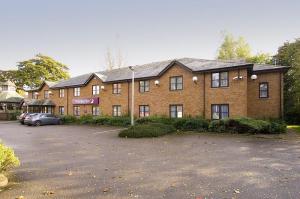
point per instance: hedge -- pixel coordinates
(247, 125)
(191, 124)
(236, 125)
(98, 120)
(147, 130)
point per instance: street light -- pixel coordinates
(132, 96)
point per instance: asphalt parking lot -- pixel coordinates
(92, 162)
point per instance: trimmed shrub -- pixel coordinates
(99, 120)
(218, 126)
(247, 125)
(86, 119)
(118, 121)
(188, 124)
(147, 130)
(277, 126)
(155, 119)
(67, 119)
(8, 160)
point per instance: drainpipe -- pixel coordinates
(132, 96)
(204, 90)
(67, 101)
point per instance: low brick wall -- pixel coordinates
(4, 116)
(8, 116)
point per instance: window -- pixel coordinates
(116, 110)
(46, 94)
(117, 88)
(61, 110)
(176, 83)
(219, 79)
(34, 95)
(5, 88)
(95, 110)
(77, 92)
(96, 90)
(61, 93)
(76, 110)
(176, 111)
(264, 90)
(144, 86)
(144, 111)
(219, 111)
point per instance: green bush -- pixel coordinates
(218, 126)
(155, 119)
(277, 126)
(68, 119)
(292, 116)
(13, 115)
(147, 130)
(247, 125)
(86, 119)
(100, 120)
(118, 121)
(8, 160)
(188, 124)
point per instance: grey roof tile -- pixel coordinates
(262, 67)
(155, 68)
(74, 81)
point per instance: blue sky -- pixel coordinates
(78, 33)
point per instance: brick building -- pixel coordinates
(184, 87)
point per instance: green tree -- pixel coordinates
(34, 71)
(289, 55)
(260, 58)
(232, 48)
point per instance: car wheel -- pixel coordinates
(37, 123)
(59, 122)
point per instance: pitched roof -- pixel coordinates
(38, 102)
(156, 69)
(74, 81)
(7, 83)
(49, 83)
(267, 67)
(9, 96)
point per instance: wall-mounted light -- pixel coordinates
(253, 77)
(195, 79)
(102, 87)
(156, 82)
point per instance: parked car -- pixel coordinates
(41, 119)
(23, 115)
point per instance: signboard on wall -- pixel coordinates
(92, 101)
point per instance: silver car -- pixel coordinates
(41, 119)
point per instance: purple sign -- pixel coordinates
(93, 100)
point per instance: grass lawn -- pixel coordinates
(294, 127)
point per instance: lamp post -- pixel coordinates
(132, 96)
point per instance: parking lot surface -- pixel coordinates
(92, 162)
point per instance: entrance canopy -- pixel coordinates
(38, 106)
(37, 102)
